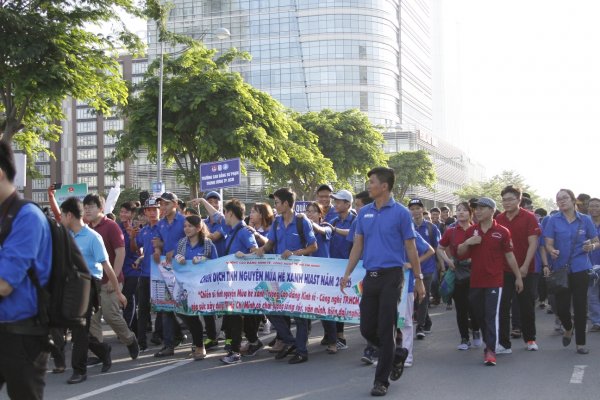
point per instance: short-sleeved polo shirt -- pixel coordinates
(323, 243)
(453, 236)
(216, 223)
(339, 247)
(431, 234)
(287, 237)
(92, 249)
(170, 233)
(384, 231)
(243, 240)
(130, 256)
(331, 215)
(144, 240)
(199, 250)
(569, 238)
(112, 237)
(489, 257)
(523, 225)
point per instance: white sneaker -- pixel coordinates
(267, 327)
(502, 350)
(532, 346)
(408, 364)
(477, 342)
(464, 345)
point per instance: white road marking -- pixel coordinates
(578, 372)
(130, 381)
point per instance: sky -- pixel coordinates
(527, 90)
(522, 88)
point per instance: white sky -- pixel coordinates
(529, 88)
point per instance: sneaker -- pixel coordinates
(199, 353)
(595, 328)
(408, 363)
(210, 343)
(341, 344)
(232, 358)
(369, 355)
(503, 350)
(532, 346)
(298, 358)
(489, 358)
(285, 351)
(253, 348)
(134, 349)
(420, 333)
(165, 352)
(477, 342)
(107, 362)
(266, 328)
(227, 346)
(379, 389)
(398, 366)
(427, 328)
(465, 344)
(277, 347)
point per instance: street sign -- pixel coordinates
(300, 206)
(79, 190)
(158, 188)
(220, 174)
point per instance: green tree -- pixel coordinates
(307, 167)
(348, 139)
(492, 188)
(209, 114)
(47, 53)
(412, 168)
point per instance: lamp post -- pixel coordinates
(219, 33)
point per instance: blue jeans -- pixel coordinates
(285, 334)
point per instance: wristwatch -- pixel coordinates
(419, 277)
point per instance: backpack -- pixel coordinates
(63, 302)
(299, 228)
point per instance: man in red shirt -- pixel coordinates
(110, 308)
(490, 247)
(525, 232)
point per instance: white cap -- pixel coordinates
(343, 195)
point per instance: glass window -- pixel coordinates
(86, 140)
(87, 154)
(89, 126)
(92, 181)
(113, 125)
(87, 167)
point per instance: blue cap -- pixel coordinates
(211, 195)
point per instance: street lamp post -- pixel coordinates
(221, 34)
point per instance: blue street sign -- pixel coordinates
(220, 174)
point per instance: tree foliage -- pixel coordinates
(412, 168)
(307, 167)
(492, 188)
(47, 53)
(348, 139)
(209, 114)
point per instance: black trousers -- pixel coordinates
(464, 314)
(194, 324)
(23, 362)
(142, 300)
(577, 294)
(210, 323)
(526, 303)
(82, 340)
(378, 313)
(485, 303)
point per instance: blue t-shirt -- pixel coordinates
(130, 256)
(384, 231)
(243, 240)
(331, 214)
(198, 250)
(323, 243)
(595, 255)
(565, 234)
(428, 267)
(339, 246)
(287, 238)
(144, 241)
(216, 223)
(29, 244)
(170, 233)
(92, 249)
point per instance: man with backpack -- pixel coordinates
(24, 347)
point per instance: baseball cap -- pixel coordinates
(415, 202)
(342, 195)
(486, 202)
(325, 187)
(169, 196)
(212, 195)
(151, 202)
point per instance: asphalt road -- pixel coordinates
(439, 372)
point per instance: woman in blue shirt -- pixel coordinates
(569, 237)
(197, 247)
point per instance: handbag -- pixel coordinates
(462, 270)
(558, 280)
(447, 286)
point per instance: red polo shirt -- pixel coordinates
(453, 236)
(488, 257)
(113, 238)
(523, 225)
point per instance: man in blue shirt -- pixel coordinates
(385, 237)
(23, 358)
(324, 198)
(215, 221)
(170, 230)
(142, 239)
(285, 239)
(92, 249)
(431, 234)
(240, 241)
(131, 274)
